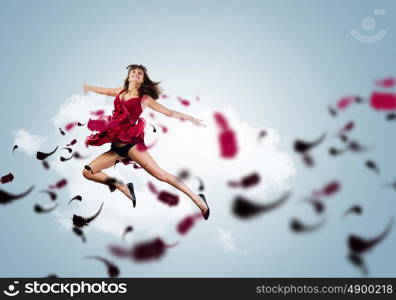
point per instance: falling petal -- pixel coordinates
(184, 174)
(152, 188)
(152, 115)
(82, 221)
(359, 100)
(61, 131)
(355, 146)
(77, 155)
(144, 251)
(39, 209)
(308, 159)
(168, 198)
(128, 229)
(60, 184)
(360, 245)
(391, 184)
(6, 197)
(164, 128)
(136, 166)
(184, 102)
(343, 103)
(70, 126)
(332, 111)
(164, 96)
(298, 226)
(70, 150)
(386, 82)
(372, 165)
(317, 204)
(187, 223)
(221, 121)
(244, 208)
(52, 194)
(72, 142)
(246, 181)
(97, 113)
(7, 178)
(357, 209)
(78, 198)
(262, 134)
(42, 155)
(226, 138)
(333, 151)
(14, 148)
(383, 101)
(78, 231)
(328, 190)
(302, 146)
(391, 116)
(358, 261)
(149, 250)
(201, 185)
(45, 164)
(65, 159)
(343, 137)
(119, 251)
(112, 269)
(348, 127)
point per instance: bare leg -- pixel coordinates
(144, 159)
(104, 161)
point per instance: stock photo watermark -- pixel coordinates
(65, 288)
(368, 24)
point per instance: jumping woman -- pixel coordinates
(124, 129)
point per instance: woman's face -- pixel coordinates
(136, 75)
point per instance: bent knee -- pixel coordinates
(87, 172)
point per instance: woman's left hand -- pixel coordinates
(198, 122)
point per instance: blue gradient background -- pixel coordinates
(278, 63)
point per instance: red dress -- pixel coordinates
(124, 125)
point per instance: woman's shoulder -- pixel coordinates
(147, 97)
(118, 90)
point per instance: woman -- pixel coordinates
(125, 131)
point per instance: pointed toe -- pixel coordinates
(131, 190)
(205, 215)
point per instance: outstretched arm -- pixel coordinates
(171, 113)
(101, 90)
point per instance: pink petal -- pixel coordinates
(383, 101)
(386, 82)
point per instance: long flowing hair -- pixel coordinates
(148, 87)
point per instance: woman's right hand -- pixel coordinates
(85, 88)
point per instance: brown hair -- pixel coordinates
(148, 87)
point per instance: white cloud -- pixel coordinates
(184, 146)
(226, 239)
(28, 142)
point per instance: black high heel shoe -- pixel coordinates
(206, 215)
(130, 187)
